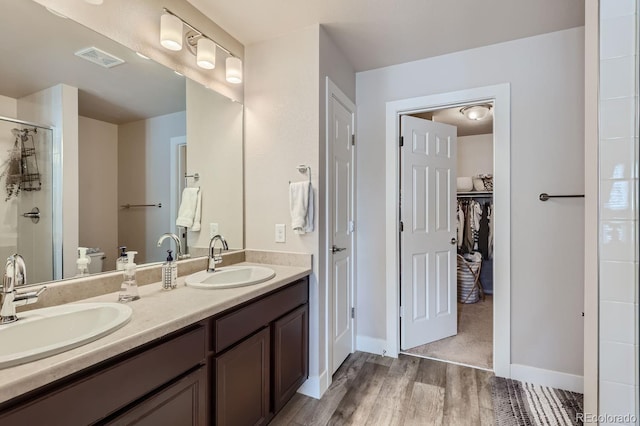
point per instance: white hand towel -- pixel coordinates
(298, 205)
(188, 206)
(196, 216)
(308, 226)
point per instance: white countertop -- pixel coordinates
(157, 313)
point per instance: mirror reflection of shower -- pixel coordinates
(26, 207)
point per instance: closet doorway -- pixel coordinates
(446, 238)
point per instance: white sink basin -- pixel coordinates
(49, 331)
(230, 276)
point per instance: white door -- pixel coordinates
(340, 124)
(428, 246)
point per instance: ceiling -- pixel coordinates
(378, 33)
(43, 56)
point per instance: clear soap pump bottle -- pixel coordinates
(129, 288)
(169, 273)
(83, 262)
(122, 259)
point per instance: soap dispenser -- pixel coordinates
(129, 288)
(169, 273)
(83, 262)
(122, 260)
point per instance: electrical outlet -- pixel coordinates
(280, 233)
(213, 230)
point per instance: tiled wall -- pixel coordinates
(618, 215)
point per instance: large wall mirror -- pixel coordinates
(99, 140)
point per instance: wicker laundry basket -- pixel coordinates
(469, 288)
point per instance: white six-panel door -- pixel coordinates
(428, 245)
(341, 116)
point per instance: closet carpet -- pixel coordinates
(473, 345)
(371, 390)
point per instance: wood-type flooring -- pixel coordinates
(374, 390)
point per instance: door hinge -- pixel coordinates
(401, 140)
(353, 139)
(352, 226)
(353, 312)
(401, 226)
(401, 311)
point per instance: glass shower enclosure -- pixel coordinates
(27, 217)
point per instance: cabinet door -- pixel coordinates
(183, 403)
(291, 354)
(242, 382)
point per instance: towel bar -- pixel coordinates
(129, 206)
(544, 196)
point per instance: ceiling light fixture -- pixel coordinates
(199, 44)
(476, 112)
(96, 2)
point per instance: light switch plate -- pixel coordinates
(213, 230)
(280, 233)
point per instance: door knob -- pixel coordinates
(454, 241)
(335, 249)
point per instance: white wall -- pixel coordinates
(281, 131)
(98, 187)
(144, 178)
(546, 156)
(284, 127)
(475, 155)
(214, 151)
(618, 214)
(591, 41)
(8, 107)
(56, 107)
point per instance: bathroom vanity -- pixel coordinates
(188, 357)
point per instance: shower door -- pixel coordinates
(26, 204)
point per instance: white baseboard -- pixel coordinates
(373, 346)
(315, 386)
(554, 379)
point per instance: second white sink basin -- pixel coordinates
(230, 276)
(49, 331)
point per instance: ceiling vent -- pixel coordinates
(99, 57)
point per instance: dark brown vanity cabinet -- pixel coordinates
(236, 368)
(261, 356)
(290, 355)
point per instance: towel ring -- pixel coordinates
(303, 168)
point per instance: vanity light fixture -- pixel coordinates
(199, 44)
(476, 112)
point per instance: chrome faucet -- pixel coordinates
(15, 275)
(179, 253)
(213, 259)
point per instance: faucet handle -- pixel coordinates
(28, 297)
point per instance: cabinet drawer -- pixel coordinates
(101, 393)
(233, 327)
(181, 404)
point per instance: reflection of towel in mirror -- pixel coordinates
(190, 209)
(301, 206)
